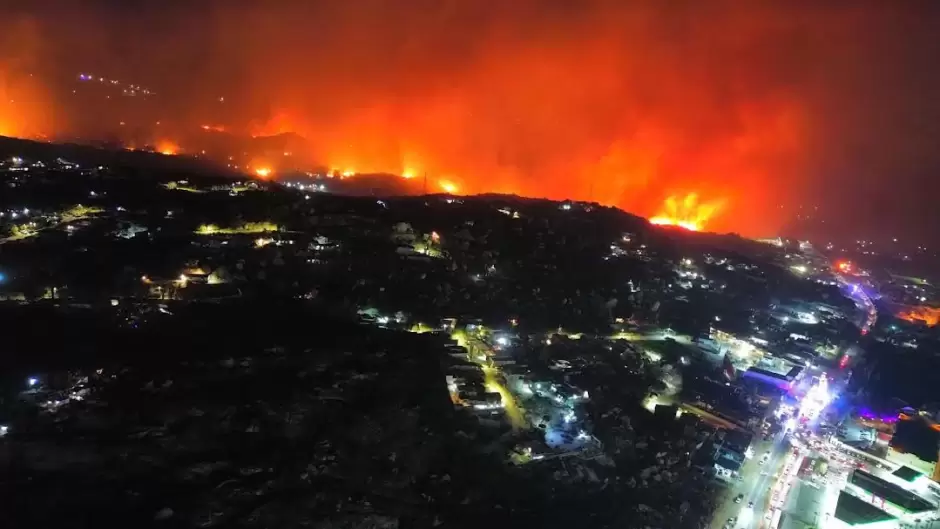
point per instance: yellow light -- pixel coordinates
(263, 172)
(408, 174)
(449, 187)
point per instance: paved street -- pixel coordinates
(755, 485)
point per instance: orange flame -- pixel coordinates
(263, 172)
(688, 213)
(449, 187)
(929, 316)
(167, 148)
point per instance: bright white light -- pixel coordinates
(382, 320)
(503, 341)
(808, 318)
(32, 381)
(816, 399)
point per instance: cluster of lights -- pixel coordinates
(129, 89)
(304, 187)
(816, 399)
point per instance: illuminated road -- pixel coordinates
(870, 316)
(763, 486)
(754, 485)
(513, 413)
(491, 377)
(74, 214)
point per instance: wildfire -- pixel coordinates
(167, 148)
(735, 120)
(449, 187)
(846, 267)
(929, 316)
(688, 213)
(6, 128)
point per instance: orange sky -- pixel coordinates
(745, 104)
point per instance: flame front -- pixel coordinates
(167, 148)
(688, 213)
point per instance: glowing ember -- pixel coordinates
(689, 213)
(929, 316)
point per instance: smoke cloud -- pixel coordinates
(756, 107)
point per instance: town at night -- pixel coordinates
(382, 265)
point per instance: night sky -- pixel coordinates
(757, 107)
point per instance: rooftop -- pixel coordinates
(855, 511)
(904, 499)
(907, 473)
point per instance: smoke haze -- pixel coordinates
(756, 107)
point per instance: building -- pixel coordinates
(915, 443)
(783, 381)
(889, 497)
(853, 512)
